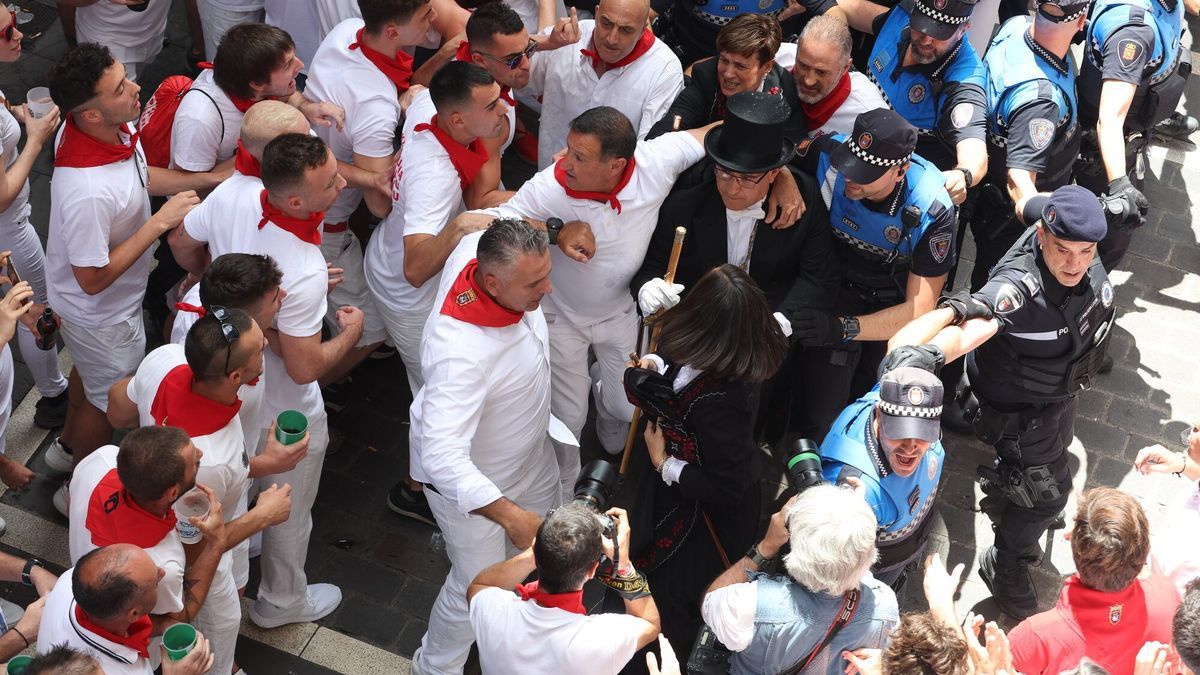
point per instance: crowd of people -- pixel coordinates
(738, 248)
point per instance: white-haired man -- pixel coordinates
(773, 623)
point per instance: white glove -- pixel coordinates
(657, 294)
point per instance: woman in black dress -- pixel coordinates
(699, 391)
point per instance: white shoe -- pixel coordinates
(58, 459)
(62, 499)
(319, 602)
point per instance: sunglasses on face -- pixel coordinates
(513, 61)
(228, 330)
(8, 31)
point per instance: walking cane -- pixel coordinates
(672, 263)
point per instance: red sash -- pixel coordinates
(244, 162)
(572, 602)
(819, 113)
(468, 302)
(77, 150)
(398, 68)
(467, 160)
(305, 229)
(560, 174)
(643, 45)
(176, 405)
(113, 518)
(139, 632)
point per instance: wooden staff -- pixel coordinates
(672, 263)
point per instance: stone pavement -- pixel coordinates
(390, 568)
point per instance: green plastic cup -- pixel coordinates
(290, 426)
(179, 640)
(18, 664)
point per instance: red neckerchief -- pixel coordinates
(643, 45)
(194, 309)
(242, 104)
(175, 404)
(397, 68)
(464, 54)
(305, 229)
(468, 302)
(467, 159)
(819, 113)
(560, 175)
(139, 632)
(572, 602)
(1113, 625)
(244, 162)
(79, 151)
(113, 518)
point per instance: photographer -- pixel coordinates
(797, 622)
(542, 628)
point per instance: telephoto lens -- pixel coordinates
(804, 467)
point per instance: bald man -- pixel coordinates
(619, 64)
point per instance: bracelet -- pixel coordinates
(630, 587)
(659, 466)
(18, 632)
(1182, 468)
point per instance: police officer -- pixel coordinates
(1032, 122)
(1132, 78)
(890, 441)
(1038, 329)
(894, 226)
(932, 76)
(691, 26)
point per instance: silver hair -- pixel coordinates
(832, 534)
(505, 240)
(828, 30)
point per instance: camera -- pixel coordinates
(804, 466)
(594, 488)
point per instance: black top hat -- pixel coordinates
(751, 139)
(940, 18)
(881, 139)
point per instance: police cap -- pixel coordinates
(1071, 213)
(881, 140)
(940, 18)
(911, 402)
(1062, 11)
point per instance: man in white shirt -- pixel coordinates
(479, 438)
(133, 31)
(282, 218)
(621, 65)
(219, 16)
(101, 232)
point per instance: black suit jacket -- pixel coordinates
(795, 267)
(696, 105)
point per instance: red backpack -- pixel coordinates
(159, 116)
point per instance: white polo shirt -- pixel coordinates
(206, 127)
(479, 425)
(92, 211)
(345, 77)
(568, 85)
(864, 96)
(518, 636)
(167, 553)
(10, 137)
(132, 37)
(591, 292)
(228, 221)
(59, 626)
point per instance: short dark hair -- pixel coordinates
(505, 240)
(149, 463)
(724, 327)
(453, 84)
(287, 158)
(751, 36)
(618, 138)
(239, 280)
(491, 19)
(205, 346)
(112, 592)
(1185, 631)
(567, 545)
(74, 78)
(249, 53)
(1110, 540)
(378, 13)
(63, 660)
(922, 645)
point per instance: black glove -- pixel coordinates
(966, 307)
(1125, 206)
(815, 328)
(926, 357)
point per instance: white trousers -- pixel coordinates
(405, 329)
(220, 618)
(342, 250)
(30, 261)
(285, 546)
(217, 21)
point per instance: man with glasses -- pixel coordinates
(195, 386)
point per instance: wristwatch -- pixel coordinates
(553, 227)
(966, 174)
(757, 558)
(850, 328)
(29, 564)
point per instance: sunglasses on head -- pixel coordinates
(513, 61)
(228, 330)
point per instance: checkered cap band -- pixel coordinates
(872, 159)
(941, 17)
(910, 410)
(1072, 17)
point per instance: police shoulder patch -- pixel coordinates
(1041, 131)
(961, 115)
(1106, 294)
(1008, 299)
(1129, 50)
(939, 246)
(931, 466)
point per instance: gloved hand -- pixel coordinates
(1125, 206)
(815, 327)
(926, 357)
(966, 307)
(657, 294)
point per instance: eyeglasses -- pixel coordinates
(8, 31)
(744, 181)
(513, 61)
(227, 329)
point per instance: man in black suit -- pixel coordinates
(720, 202)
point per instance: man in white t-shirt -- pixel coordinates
(219, 16)
(199, 394)
(282, 219)
(135, 36)
(542, 628)
(621, 64)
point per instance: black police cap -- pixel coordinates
(940, 18)
(881, 139)
(1071, 213)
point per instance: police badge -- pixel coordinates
(961, 115)
(892, 233)
(916, 93)
(1041, 131)
(1106, 293)
(939, 246)
(1009, 299)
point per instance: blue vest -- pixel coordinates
(1013, 71)
(902, 504)
(722, 12)
(879, 238)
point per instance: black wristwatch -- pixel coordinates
(553, 227)
(756, 557)
(966, 174)
(850, 328)
(29, 564)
